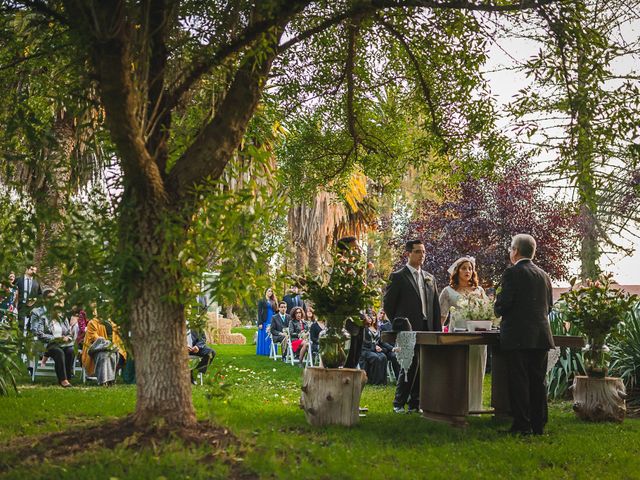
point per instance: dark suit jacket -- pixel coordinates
(198, 339)
(277, 325)
(372, 339)
(36, 289)
(294, 301)
(402, 299)
(295, 328)
(524, 302)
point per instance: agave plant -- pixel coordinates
(8, 354)
(570, 362)
(625, 350)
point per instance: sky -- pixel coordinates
(504, 85)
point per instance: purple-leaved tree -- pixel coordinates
(480, 218)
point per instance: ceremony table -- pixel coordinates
(444, 373)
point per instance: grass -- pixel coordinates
(257, 400)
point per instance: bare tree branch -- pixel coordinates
(426, 89)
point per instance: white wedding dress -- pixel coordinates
(477, 353)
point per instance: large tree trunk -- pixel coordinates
(584, 155)
(589, 245)
(157, 320)
(159, 347)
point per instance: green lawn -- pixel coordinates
(257, 400)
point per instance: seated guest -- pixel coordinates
(372, 359)
(9, 299)
(314, 330)
(102, 351)
(279, 322)
(197, 346)
(299, 332)
(390, 351)
(54, 331)
(78, 321)
(384, 324)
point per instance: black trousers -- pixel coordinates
(206, 357)
(357, 339)
(393, 360)
(408, 388)
(527, 371)
(62, 359)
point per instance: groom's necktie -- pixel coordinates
(423, 295)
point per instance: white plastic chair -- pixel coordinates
(273, 347)
(49, 368)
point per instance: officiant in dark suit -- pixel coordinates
(412, 293)
(29, 290)
(524, 301)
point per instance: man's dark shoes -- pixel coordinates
(415, 410)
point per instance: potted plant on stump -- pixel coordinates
(331, 394)
(596, 308)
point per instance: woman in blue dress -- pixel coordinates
(266, 307)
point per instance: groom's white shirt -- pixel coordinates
(423, 294)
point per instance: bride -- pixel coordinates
(464, 284)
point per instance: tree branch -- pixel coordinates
(44, 9)
(426, 89)
(352, 31)
(212, 149)
(249, 35)
(464, 5)
(107, 28)
(158, 115)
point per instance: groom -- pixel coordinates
(524, 303)
(412, 293)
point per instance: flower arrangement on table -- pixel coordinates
(475, 308)
(596, 308)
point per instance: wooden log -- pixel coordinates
(331, 396)
(599, 399)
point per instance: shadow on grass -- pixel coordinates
(206, 442)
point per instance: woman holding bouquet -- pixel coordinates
(464, 288)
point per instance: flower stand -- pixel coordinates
(599, 399)
(331, 396)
